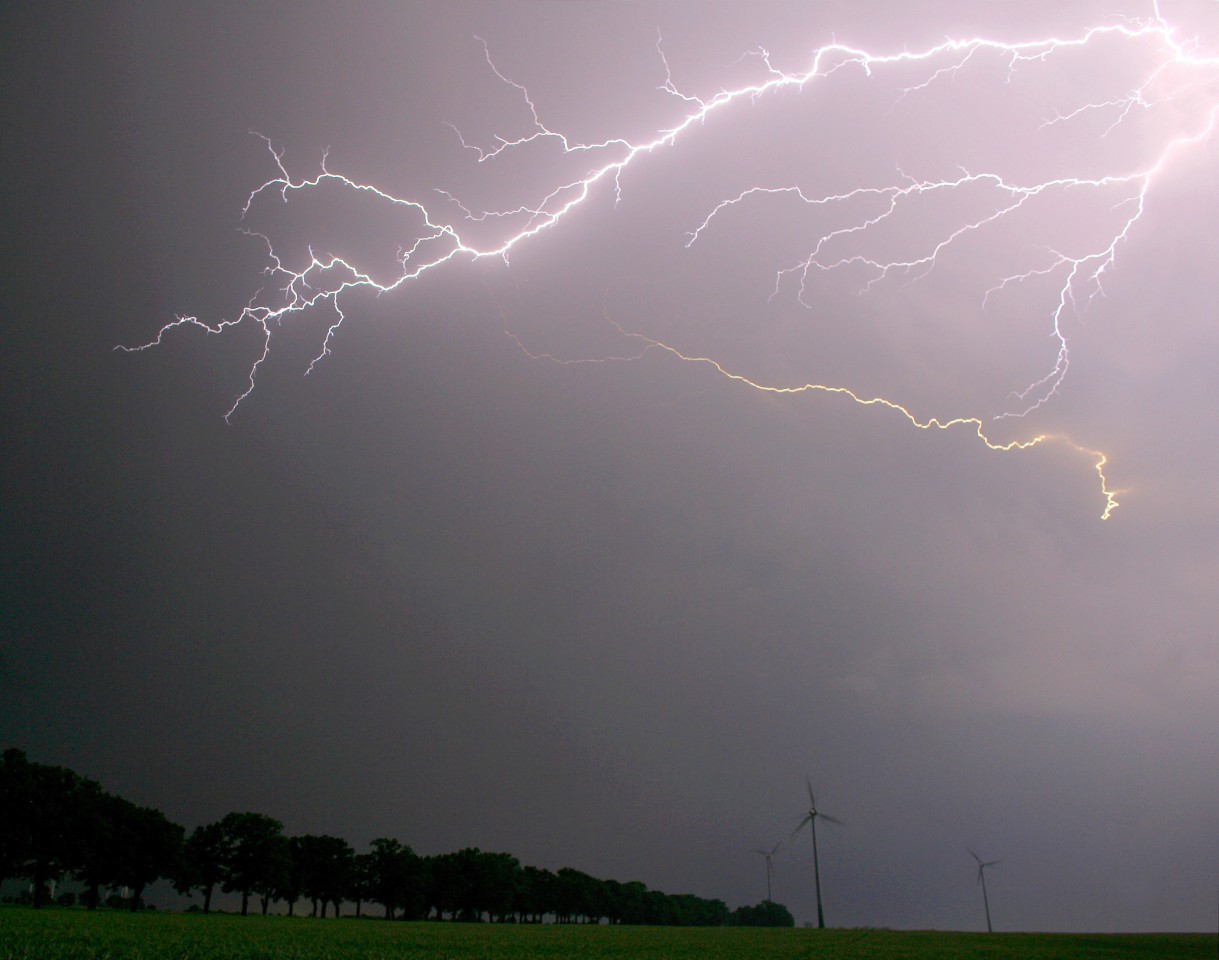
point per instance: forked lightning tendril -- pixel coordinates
(1172, 68)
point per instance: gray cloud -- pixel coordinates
(609, 615)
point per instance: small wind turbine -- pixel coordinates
(768, 855)
(811, 819)
(982, 865)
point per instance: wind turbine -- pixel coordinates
(982, 865)
(768, 855)
(811, 819)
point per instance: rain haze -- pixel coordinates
(539, 557)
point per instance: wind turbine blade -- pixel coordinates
(800, 825)
(809, 783)
(975, 856)
(991, 863)
(828, 819)
(775, 849)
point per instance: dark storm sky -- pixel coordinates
(611, 615)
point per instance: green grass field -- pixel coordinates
(55, 934)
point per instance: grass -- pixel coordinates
(56, 934)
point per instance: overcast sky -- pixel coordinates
(611, 615)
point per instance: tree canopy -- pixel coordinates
(56, 825)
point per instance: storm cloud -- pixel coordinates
(456, 588)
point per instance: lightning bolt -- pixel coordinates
(1172, 72)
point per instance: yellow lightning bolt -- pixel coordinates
(1097, 457)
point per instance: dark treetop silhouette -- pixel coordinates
(57, 825)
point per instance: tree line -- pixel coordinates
(57, 825)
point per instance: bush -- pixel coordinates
(765, 914)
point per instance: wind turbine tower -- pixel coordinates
(982, 865)
(769, 855)
(811, 819)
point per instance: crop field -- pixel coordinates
(55, 934)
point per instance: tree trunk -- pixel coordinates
(245, 902)
(266, 902)
(291, 908)
(92, 895)
(135, 897)
(207, 898)
(40, 880)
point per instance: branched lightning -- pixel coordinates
(443, 227)
(647, 345)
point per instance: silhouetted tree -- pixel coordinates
(14, 839)
(532, 889)
(576, 896)
(41, 820)
(326, 865)
(615, 895)
(53, 822)
(276, 870)
(393, 877)
(658, 909)
(252, 843)
(633, 903)
(765, 914)
(493, 884)
(100, 842)
(360, 887)
(692, 911)
(450, 876)
(292, 878)
(415, 904)
(204, 861)
(150, 847)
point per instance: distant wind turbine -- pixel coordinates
(982, 865)
(768, 855)
(811, 819)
